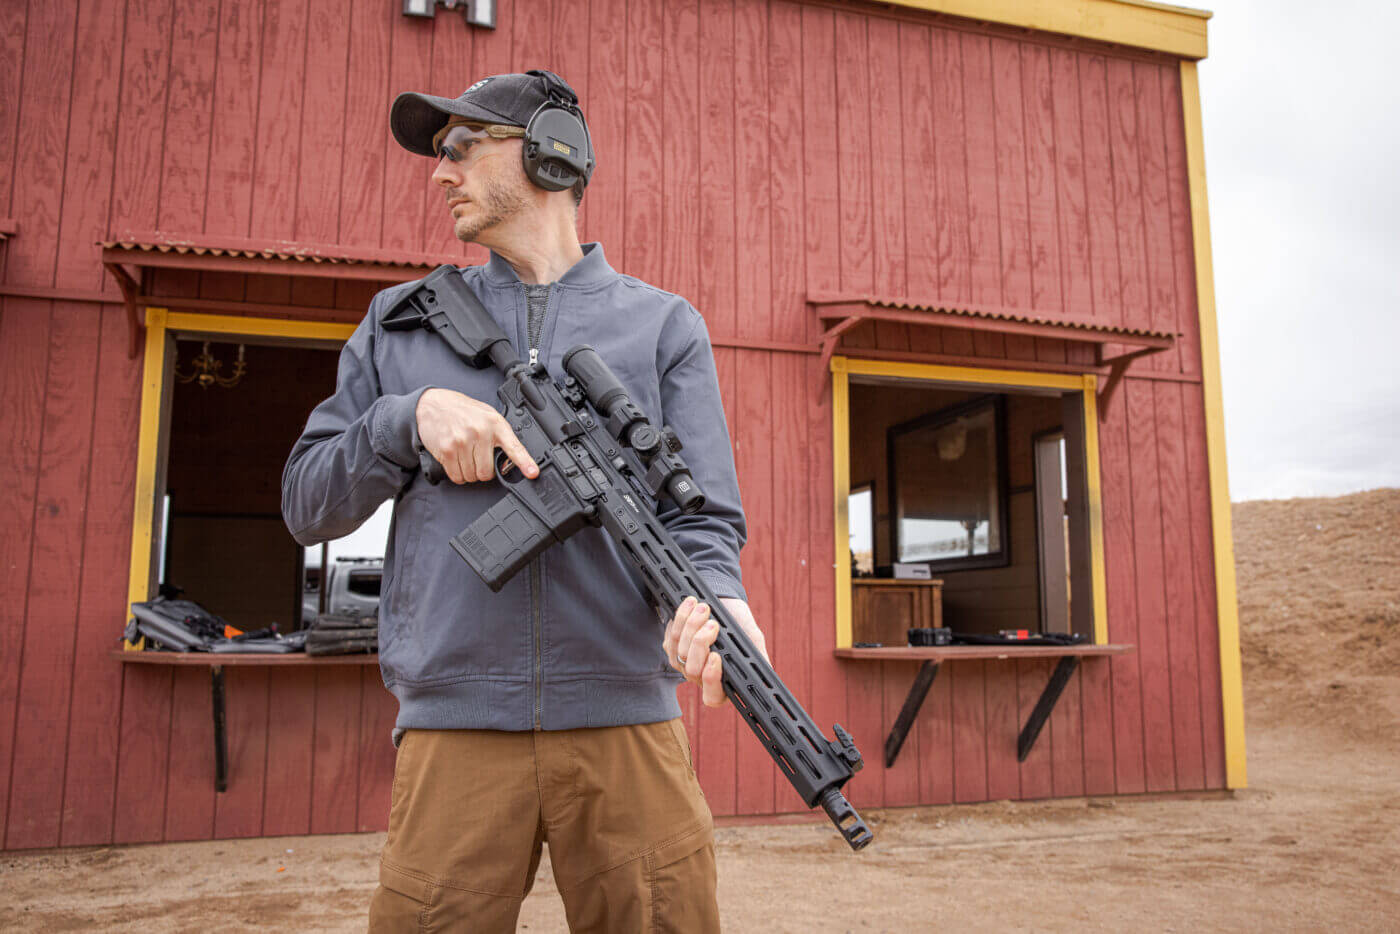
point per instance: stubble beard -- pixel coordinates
(499, 202)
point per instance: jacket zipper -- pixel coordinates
(536, 612)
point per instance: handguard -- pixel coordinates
(602, 463)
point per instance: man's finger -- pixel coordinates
(711, 681)
(698, 655)
(698, 615)
(482, 454)
(509, 443)
(668, 645)
(670, 642)
(453, 462)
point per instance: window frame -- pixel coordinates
(163, 327)
(956, 377)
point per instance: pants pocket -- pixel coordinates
(400, 903)
(682, 741)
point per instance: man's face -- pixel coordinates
(482, 181)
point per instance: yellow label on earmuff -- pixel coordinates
(562, 148)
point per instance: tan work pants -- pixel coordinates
(630, 837)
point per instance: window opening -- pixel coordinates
(222, 538)
(355, 569)
(966, 473)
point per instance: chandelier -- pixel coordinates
(207, 369)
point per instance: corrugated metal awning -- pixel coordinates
(127, 253)
(985, 318)
(278, 257)
(839, 314)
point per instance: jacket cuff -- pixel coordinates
(394, 429)
(723, 585)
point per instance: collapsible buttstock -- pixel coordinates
(443, 302)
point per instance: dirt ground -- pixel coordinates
(1313, 844)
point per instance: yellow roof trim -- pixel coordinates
(1143, 24)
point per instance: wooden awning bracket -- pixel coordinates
(131, 294)
(1117, 366)
(830, 338)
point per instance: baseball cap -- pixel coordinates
(510, 99)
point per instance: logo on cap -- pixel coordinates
(479, 84)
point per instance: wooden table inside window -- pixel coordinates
(885, 609)
(935, 656)
(215, 662)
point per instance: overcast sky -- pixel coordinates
(1301, 108)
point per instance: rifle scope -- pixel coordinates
(629, 424)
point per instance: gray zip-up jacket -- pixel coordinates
(569, 642)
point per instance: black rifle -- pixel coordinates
(601, 462)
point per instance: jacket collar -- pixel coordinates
(592, 270)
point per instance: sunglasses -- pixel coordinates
(455, 140)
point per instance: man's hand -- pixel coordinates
(463, 434)
(689, 635)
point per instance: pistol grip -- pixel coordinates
(433, 472)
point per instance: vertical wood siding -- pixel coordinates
(749, 151)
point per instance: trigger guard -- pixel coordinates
(506, 470)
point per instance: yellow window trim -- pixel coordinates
(190, 325)
(1226, 602)
(162, 326)
(1161, 27)
(842, 368)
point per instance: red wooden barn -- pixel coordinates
(955, 259)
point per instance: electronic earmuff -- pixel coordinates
(558, 150)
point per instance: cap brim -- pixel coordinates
(415, 118)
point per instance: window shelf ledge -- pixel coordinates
(952, 653)
(219, 659)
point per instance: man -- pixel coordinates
(545, 712)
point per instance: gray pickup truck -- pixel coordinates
(352, 587)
